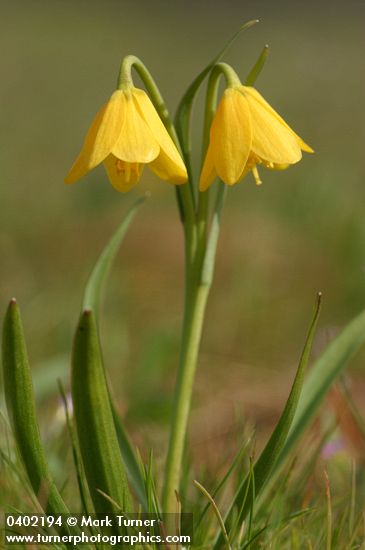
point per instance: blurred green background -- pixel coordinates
(302, 231)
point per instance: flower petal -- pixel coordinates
(101, 137)
(256, 95)
(272, 141)
(231, 136)
(167, 170)
(169, 165)
(136, 142)
(122, 175)
(208, 173)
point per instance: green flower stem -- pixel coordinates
(200, 251)
(232, 78)
(200, 259)
(198, 284)
(196, 299)
(199, 275)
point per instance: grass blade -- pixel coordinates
(237, 459)
(329, 512)
(96, 432)
(216, 511)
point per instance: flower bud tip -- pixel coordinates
(13, 301)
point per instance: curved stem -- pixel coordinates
(185, 200)
(185, 107)
(232, 78)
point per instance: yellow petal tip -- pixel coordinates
(68, 180)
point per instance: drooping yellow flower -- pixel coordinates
(246, 132)
(126, 134)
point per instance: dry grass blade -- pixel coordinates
(216, 511)
(329, 512)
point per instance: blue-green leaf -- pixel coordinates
(20, 403)
(104, 468)
(130, 460)
(92, 299)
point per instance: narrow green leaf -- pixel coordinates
(130, 459)
(18, 476)
(254, 537)
(238, 524)
(94, 286)
(320, 378)
(237, 459)
(20, 403)
(264, 466)
(284, 521)
(92, 299)
(80, 475)
(152, 499)
(209, 258)
(96, 432)
(257, 68)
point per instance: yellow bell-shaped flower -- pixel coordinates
(246, 132)
(126, 134)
